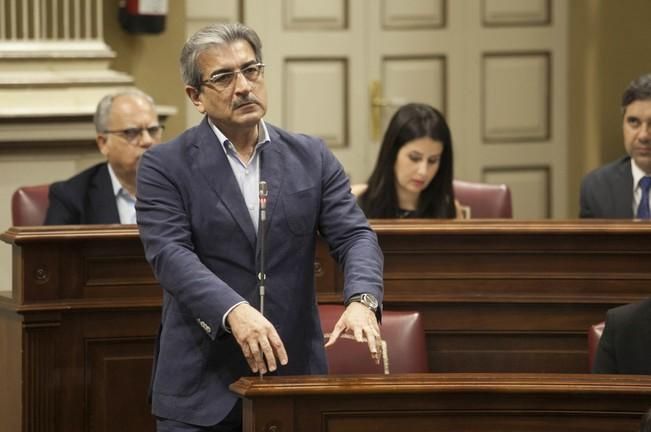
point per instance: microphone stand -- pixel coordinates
(262, 219)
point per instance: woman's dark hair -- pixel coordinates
(410, 122)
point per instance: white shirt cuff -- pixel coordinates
(224, 324)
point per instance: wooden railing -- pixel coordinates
(445, 402)
(77, 327)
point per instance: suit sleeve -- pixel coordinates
(60, 211)
(352, 242)
(166, 234)
(606, 358)
(587, 199)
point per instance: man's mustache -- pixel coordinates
(245, 100)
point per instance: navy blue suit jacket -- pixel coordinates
(607, 192)
(625, 345)
(200, 240)
(86, 198)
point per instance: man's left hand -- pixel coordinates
(361, 322)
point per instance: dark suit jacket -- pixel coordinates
(200, 240)
(607, 192)
(86, 198)
(625, 345)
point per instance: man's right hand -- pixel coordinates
(257, 338)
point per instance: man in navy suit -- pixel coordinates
(625, 345)
(127, 124)
(617, 190)
(198, 214)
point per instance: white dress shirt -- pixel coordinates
(125, 202)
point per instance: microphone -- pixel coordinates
(262, 218)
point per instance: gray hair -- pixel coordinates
(103, 111)
(208, 37)
(638, 89)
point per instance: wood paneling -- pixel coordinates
(77, 334)
(42, 374)
(516, 97)
(507, 296)
(10, 372)
(445, 402)
(317, 79)
(533, 180)
(413, 14)
(499, 13)
(315, 15)
(113, 365)
(400, 72)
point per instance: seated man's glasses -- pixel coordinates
(133, 134)
(223, 80)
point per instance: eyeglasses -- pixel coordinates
(132, 134)
(223, 80)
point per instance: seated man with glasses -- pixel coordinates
(127, 124)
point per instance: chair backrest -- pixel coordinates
(29, 205)
(594, 335)
(403, 333)
(485, 200)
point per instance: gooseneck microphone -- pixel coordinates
(262, 218)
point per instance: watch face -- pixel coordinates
(369, 301)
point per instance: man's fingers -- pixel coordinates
(262, 354)
(359, 334)
(260, 365)
(249, 357)
(268, 354)
(363, 325)
(258, 339)
(278, 348)
(334, 336)
(376, 329)
(372, 344)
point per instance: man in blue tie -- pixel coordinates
(620, 189)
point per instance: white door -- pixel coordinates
(318, 71)
(496, 68)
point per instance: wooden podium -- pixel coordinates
(77, 329)
(445, 402)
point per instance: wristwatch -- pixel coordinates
(366, 299)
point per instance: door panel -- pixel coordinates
(496, 68)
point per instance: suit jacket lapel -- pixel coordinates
(272, 170)
(623, 190)
(102, 207)
(210, 160)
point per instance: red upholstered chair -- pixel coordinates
(29, 205)
(594, 335)
(485, 200)
(403, 335)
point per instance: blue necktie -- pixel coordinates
(643, 208)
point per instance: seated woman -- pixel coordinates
(413, 175)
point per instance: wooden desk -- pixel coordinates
(77, 330)
(445, 402)
(507, 296)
